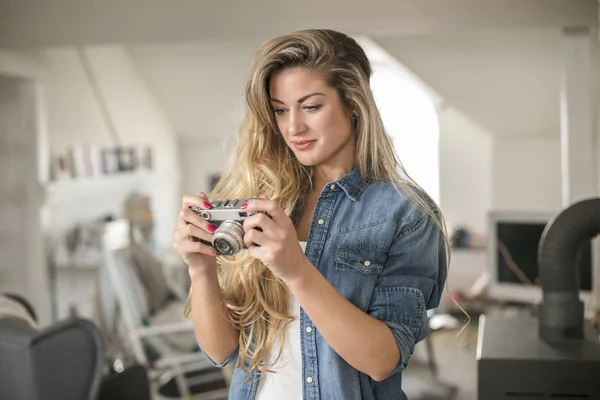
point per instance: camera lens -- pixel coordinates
(228, 239)
(223, 246)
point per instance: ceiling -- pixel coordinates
(505, 80)
(496, 60)
(42, 23)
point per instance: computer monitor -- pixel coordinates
(513, 242)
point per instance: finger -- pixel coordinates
(269, 206)
(203, 196)
(192, 231)
(180, 220)
(195, 201)
(189, 216)
(258, 252)
(260, 221)
(183, 217)
(189, 247)
(254, 238)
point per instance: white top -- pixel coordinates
(286, 380)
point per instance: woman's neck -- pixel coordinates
(338, 165)
(325, 173)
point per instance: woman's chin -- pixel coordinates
(307, 160)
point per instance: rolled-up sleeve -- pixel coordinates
(229, 359)
(409, 284)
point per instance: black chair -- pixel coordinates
(62, 362)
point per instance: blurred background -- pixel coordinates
(111, 110)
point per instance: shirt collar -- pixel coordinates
(353, 184)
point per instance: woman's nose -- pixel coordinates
(296, 124)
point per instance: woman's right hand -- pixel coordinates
(195, 254)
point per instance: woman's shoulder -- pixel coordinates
(405, 202)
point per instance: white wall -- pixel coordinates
(201, 89)
(139, 119)
(526, 174)
(200, 159)
(22, 259)
(200, 85)
(23, 268)
(75, 117)
(465, 170)
(22, 64)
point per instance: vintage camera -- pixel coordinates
(228, 218)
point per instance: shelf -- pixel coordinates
(78, 189)
(80, 260)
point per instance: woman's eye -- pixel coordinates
(279, 111)
(312, 108)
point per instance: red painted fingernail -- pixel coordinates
(243, 206)
(207, 205)
(212, 229)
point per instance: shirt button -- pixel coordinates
(332, 187)
(367, 263)
(308, 329)
(309, 379)
(320, 222)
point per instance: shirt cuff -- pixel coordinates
(405, 341)
(229, 359)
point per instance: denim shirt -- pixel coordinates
(387, 257)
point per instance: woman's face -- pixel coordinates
(312, 119)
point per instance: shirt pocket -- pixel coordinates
(366, 259)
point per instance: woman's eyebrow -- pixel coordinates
(300, 100)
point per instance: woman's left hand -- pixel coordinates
(277, 245)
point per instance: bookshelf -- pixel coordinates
(74, 190)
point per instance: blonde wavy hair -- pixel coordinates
(256, 300)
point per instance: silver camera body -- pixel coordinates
(227, 217)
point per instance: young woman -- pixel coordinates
(331, 296)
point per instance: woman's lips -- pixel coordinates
(303, 144)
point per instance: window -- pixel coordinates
(410, 119)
